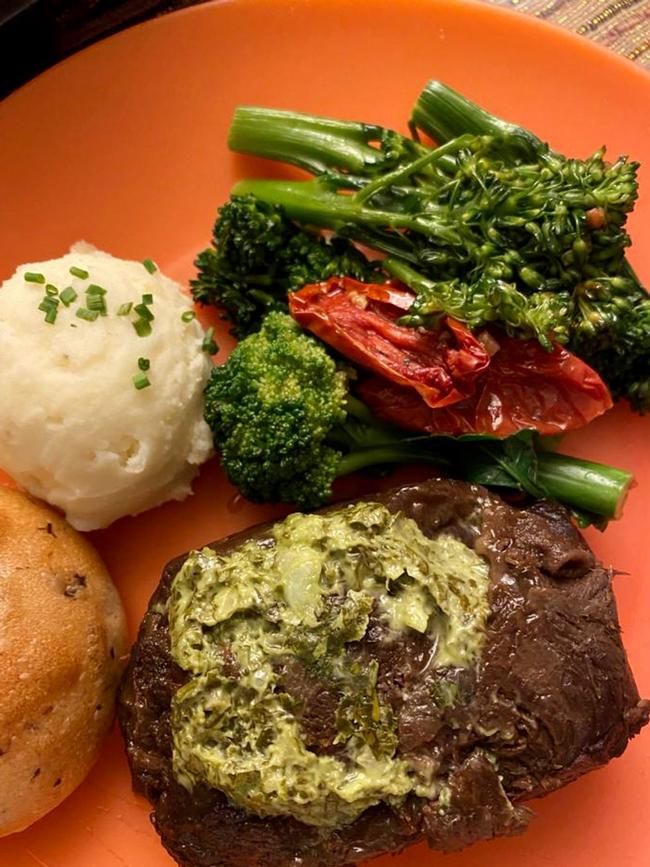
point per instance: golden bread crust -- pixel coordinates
(62, 649)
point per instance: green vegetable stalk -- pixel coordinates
(282, 414)
(490, 226)
(609, 308)
(319, 144)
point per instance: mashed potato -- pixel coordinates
(74, 428)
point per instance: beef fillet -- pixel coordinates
(551, 698)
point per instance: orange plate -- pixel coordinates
(124, 145)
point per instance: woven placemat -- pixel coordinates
(622, 26)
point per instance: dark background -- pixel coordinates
(34, 34)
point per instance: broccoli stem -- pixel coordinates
(444, 114)
(584, 485)
(388, 454)
(409, 276)
(443, 156)
(313, 203)
(312, 143)
(316, 144)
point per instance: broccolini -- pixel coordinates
(283, 415)
(258, 255)
(490, 226)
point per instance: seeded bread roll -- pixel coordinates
(62, 648)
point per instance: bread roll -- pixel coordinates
(62, 648)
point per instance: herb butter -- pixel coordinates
(308, 591)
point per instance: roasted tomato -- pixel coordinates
(360, 321)
(524, 387)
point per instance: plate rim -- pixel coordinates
(517, 17)
(591, 51)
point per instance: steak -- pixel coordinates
(551, 698)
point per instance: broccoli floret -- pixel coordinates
(287, 426)
(271, 407)
(614, 338)
(259, 255)
(282, 415)
(490, 226)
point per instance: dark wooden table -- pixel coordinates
(36, 33)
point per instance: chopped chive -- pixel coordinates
(209, 344)
(48, 302)
(98, 303)
(140, 380)
(188, 316)
(50, 289)
(88, 315)
(94, 289)
(147, 299)
(79, 272)
(150, 265)
(143, 311)
(33, 277)
(125, 309)
(142, 327)
(68, 296)
(49, 306)
(144, 363)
